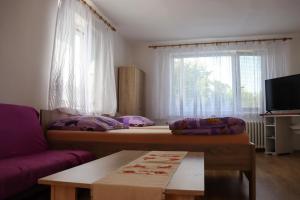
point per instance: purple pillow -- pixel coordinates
(137, 121)
(87, 123)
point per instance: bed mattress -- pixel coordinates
(146, 135)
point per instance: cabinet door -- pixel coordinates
(131, 91)
(283, 135)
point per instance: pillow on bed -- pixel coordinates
(227, 130)
(210, 126)
(87, 123)
(137, 121)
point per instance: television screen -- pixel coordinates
(283, 93)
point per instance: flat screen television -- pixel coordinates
(283, 93)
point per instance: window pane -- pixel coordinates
(201, 86)
(250, 78)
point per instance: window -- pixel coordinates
(215, 84)
(250, 83)
(82, 71)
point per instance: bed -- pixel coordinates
(223, 152)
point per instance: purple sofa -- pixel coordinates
(24, 153)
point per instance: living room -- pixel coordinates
(199, 77)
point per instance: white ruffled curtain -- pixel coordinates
(82, 73)
(216, 80)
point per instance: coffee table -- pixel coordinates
(186, 184)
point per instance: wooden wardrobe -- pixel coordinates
(131, 87)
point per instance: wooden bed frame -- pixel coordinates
(240, 157)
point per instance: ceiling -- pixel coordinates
(163, 20)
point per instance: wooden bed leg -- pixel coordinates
(252, 186)
(252, 176)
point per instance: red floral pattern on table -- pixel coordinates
(154, 164)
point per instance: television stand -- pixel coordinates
(279, 133)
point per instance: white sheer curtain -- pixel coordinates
(82, 73)
(222, 80)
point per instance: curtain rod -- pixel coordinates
(98, 15)
(217, 43)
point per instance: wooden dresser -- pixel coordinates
(131, 86)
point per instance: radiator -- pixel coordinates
(256, 132)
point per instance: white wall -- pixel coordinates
(295, 54)
(26, 41)
(122, 51)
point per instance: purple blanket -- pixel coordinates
(210, 126)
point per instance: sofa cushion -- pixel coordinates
(20, 173)
(20, 131)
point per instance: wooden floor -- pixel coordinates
(278, 178)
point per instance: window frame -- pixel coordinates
(236, 75)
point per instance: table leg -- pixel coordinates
(63, 193)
